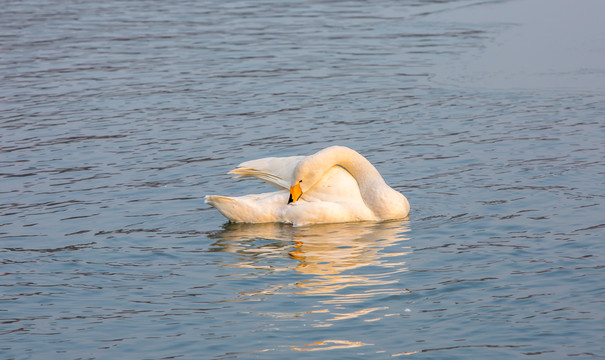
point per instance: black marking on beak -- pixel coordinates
(290, 200)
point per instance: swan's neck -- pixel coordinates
(358, 166)
(385, 202)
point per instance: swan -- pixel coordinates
(336, 184)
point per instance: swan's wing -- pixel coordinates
(336, 185)
(336, 197)
(275, 171)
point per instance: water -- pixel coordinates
(118, 117)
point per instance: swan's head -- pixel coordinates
(295, 192)
(308, 171)
(312, 168)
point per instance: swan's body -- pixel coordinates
(337, 185)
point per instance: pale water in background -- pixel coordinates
(117, 117)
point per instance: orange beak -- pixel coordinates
(295, 193)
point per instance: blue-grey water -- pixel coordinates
(117, 117)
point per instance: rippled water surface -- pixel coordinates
(117, 117)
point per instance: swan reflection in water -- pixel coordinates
(347, 262)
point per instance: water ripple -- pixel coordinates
(118, 117)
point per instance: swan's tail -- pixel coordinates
(246, 209)
(225, 205)
(217, 200)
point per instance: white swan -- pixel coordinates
(336, 184)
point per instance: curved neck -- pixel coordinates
(358, 166)
(380, 198)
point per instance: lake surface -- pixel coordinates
(117, 117)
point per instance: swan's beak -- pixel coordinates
(295, 193)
